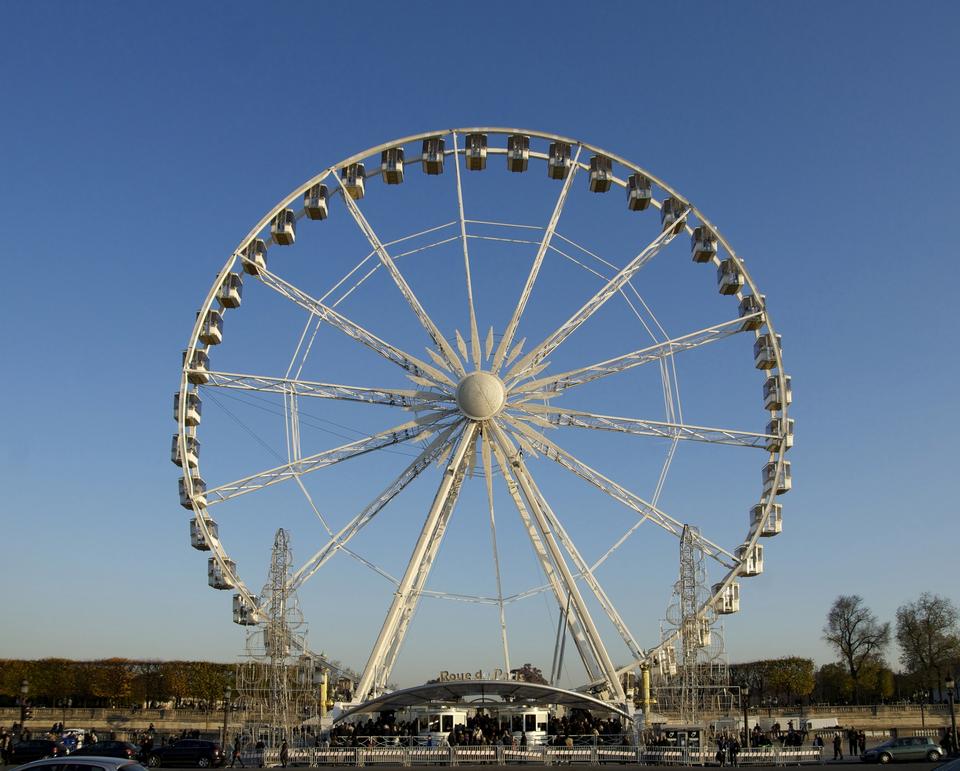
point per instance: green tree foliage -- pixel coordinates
(928, 637)
(857, 636)
(787, 679)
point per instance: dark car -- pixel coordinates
(124, 750)
(188, 752)
(34, 749)
(904, 748)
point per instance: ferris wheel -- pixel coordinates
(539, 347)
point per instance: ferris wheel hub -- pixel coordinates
(481, 395)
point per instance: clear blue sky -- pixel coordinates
(140, 141)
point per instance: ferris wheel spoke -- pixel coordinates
(396, 435)
(396, 397)
(339, 540)
(416, 367)
(446, 350)
(584, 570)
(554, 581)
(511, 329)
(558, 416)
(616, 491)
(385, 650)
(612, 287)
(474, 332)
(574, 598)
(551, 385)
(485, 453)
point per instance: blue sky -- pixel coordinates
(140, 142)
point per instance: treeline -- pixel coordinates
(114, 682)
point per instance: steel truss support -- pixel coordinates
(377, 670)
(530, 494)
(401, 433)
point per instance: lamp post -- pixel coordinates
(744, 702)
(24, 690)
(951, 684)
(227, 693)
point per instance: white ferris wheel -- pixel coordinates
(426, 298)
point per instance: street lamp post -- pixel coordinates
(744, 702)
(226, 711)
(24, 690)
(951, 684)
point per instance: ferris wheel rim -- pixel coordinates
(220, 554)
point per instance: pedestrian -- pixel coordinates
(862, 740)
(721, 755)
(260, 747)
(852, 740)
(733, 747)
(837, 747)
(284, 753)
(236, 757)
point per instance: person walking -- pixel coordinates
(284, 753)
(852, 740)
(235, 756)
(260, 747)
(837, 747)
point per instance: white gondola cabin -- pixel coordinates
(770, 482)
(518, 152)
(781, 434)
(764, 351)
(705, 633)
(729, 276)
(254, 256)
(231, 291)
(211, 331)
(475, 151)
(192, 411)
(751, 560)
(667, 661)
(353, 179)
(218, 577)
(242, 611)
(432, 155)
(391, 165)
(751, 305)
(601, 174)
(315, 202)
(197, 539)
(559, 161)
(728, 600)
(703, 244)
(773, 399)
(774, 524)
(639, 192)
(198, 373)
(199, 491)
(192, 458)
(283, 229)
(672, 215)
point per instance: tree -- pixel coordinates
(792, 676)
(928, 637)
(834, 684)
(856, 634)
(529, 674)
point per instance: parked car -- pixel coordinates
(34, 749)
(106, 749)
(187, 752)
(85, 762)
(904, 748)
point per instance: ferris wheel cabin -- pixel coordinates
(728, 600)
(353, 178)
(781, 434)
(559, 161)
(774, 524)
(764, 351)
(283, 229)
(197, 539)
(475, 151)
(219, 578)
(192, 412)
(199, 492)
(601, 174)
(432, 155)
(751, 560)
(772, 398)
(315, 202)
(242, 611)
(230, 293)
(703, 244)
(518, 152)
(666, 660)
(193, 451)
(639, 192)
(211, 331)
(772, 484)
(198, 373)
(729, 277)
(671, 215)
(750, 306)
(391, 165)
(254, 257)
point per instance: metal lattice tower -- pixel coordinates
(691, 559)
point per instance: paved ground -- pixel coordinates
(953, 765)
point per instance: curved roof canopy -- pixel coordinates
(475, 693)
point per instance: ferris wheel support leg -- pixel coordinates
(587, 657)
(375, 672)
(529, 493)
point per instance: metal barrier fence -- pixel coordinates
(546, 755)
